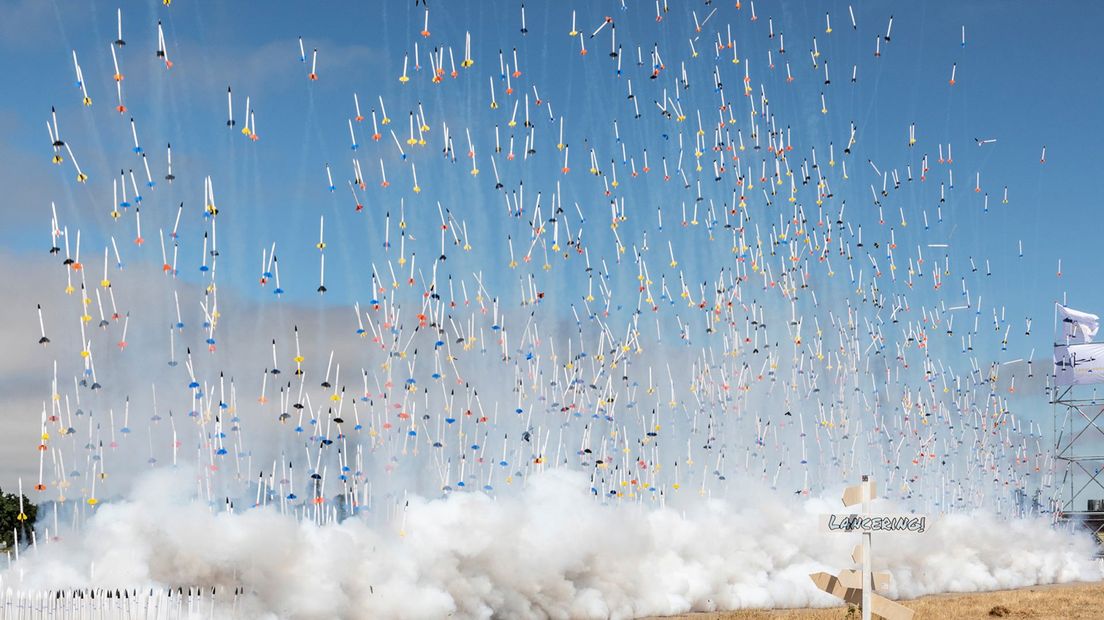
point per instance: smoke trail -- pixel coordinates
(548, 550)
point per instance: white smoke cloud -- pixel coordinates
(547, 550)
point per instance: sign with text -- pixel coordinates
(857, 586)
(874, 523)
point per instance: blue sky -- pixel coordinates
(1016, 82)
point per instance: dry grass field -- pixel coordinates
(1079, 601)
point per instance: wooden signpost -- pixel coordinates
(858, 587)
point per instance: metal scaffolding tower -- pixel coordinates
(1079, 458)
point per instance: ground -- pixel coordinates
(1078, 601)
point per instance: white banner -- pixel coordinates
(1076, 326)
(1079, 364)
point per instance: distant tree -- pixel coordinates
(12, 519)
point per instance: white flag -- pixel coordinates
(1077, 326)
(1079, 364)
